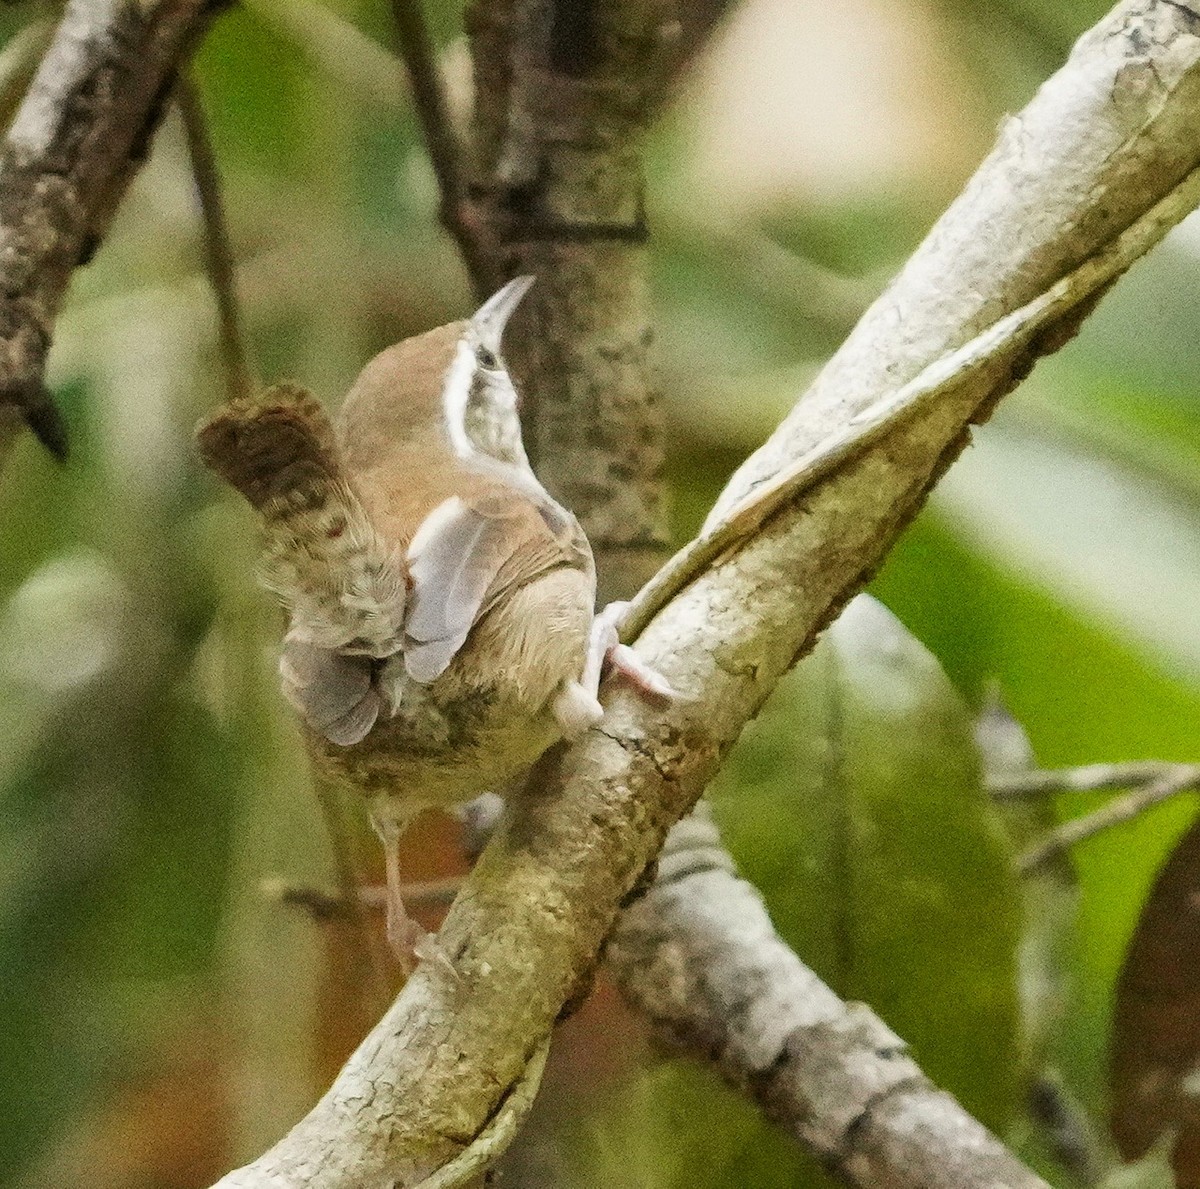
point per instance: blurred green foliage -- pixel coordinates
(149, 778)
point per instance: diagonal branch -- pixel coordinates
(1105, 140)
(445, 151)
(937, 382)
(830, 1073)
(82, 131)
(1090, 778)
(218, 250)
(1185, 778)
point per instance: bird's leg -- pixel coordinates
(577, 704)
(408, 940)
(606, 649)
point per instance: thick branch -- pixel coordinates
(563, 92)
(81, 133)
(831, 1073)
(1108, 137)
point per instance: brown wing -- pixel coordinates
(469, 553)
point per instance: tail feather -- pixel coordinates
(342, 583)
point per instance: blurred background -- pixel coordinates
(163, 1016)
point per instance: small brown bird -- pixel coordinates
(441, 626)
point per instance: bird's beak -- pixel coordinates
(491, 317)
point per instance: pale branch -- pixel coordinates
(1103, 142)
(699, 957)
(81, 132)
(1185, 778)
(1089, 778)
(1028, 214)
(443, 145)
(563, 92)
(940, 379)
(218, 250)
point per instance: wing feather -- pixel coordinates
(468, 555)
(332, 690)
(452, 562)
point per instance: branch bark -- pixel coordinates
(1103, 142)
(698, 955)
(563, 93)
(82, 131)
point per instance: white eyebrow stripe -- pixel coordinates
(456, 392)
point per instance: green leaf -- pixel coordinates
(1084, 694)
(857, 808)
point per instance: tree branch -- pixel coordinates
(831, 1073)
(1104, 141)
(563, 91)
(1184, 778)
(82, 131)
(445, 152)
(1090, 778)
(218, 250)
(937, 382)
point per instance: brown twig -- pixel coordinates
(443, 145)
(218, 250)
(322, 905)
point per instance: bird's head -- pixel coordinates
(479, 400)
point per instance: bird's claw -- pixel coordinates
(621, 659)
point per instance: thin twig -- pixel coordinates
(445, 150)
(316, 902)
(218, 252)
(1090, 778)
(1116, 812)
(322, 905)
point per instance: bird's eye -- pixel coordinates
(487, 359)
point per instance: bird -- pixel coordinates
(441, 627)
